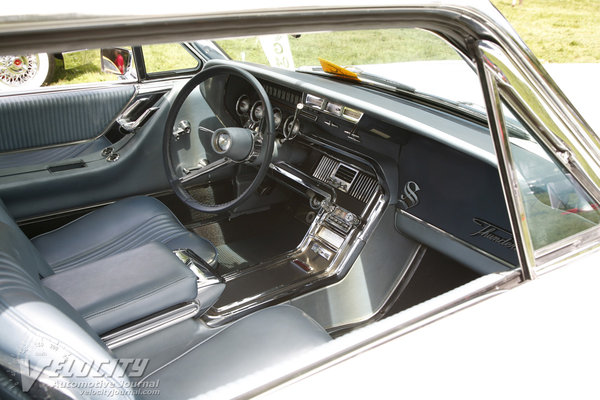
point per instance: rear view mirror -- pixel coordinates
(117, 61)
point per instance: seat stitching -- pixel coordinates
(134, 299)
(151, 231)
(149, 225)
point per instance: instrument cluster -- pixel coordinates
(252, 114)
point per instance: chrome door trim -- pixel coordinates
(504, 78)
(488, 74)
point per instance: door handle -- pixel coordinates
(129, 125)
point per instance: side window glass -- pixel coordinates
(21, 72)
(169, 57)
(556, 206)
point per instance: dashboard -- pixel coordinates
(351, 145)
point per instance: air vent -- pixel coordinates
(361, 186)
(325, 168)
(282, 94)
(364, 188)
(345, 174)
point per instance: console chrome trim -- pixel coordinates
(303, 179)
(335, 268)
(150, 325)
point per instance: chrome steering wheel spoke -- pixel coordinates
(213, 166)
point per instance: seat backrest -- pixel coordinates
(29, 257)
(42, 338)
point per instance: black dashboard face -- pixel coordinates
(343, 147)
(244, 105)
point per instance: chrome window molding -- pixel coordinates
(488, 74)
(554, 254)
(504, 80)
(580, 158)
(66, 88)
(373, 335)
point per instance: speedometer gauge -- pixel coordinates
(257, 112)
(243, 105)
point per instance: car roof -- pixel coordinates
(80, 10)
(72, 25)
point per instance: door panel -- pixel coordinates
(93, 180)
(58, 118)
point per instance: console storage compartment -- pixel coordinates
(128, 286)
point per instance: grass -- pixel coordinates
(167, 57)
(89, 72)
(350, 48)
(160, 57)
(557, 31)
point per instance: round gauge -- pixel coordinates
(291, 128)
(257, 111)
(243, 105)
(277, 116)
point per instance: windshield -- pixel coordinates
(409, 57)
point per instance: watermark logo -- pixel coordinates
(51, 363)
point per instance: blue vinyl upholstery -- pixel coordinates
(39, 329)
(52, 155)
(118, 227)
(31, 121)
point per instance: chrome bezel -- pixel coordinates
(314, 101)
(277, 110)
(290, 135)
(237, 105)
(257, 103)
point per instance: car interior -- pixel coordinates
(242, 216)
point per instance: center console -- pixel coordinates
(345, 199)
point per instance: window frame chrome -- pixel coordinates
(571, 141)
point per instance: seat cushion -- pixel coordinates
(255, 342)
(125, 287)
(123, 225)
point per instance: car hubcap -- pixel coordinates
(17, 70)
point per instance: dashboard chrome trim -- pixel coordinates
(332, 267)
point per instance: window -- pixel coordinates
(29, 71)
(161, 58)
(556, 206)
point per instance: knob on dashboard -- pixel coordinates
(351, 218)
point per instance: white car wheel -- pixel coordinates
(24, 71)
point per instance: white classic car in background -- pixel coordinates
(437, 243)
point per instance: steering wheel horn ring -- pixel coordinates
(233, 144)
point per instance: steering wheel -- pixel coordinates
(232, 144)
